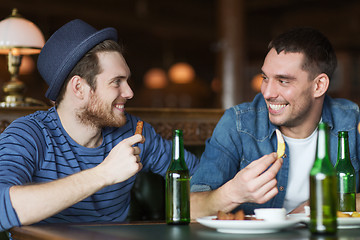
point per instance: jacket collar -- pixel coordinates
(326, 112)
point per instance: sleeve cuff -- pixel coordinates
(200, 188)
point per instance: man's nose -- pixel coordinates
(269, 89)
(127, 92)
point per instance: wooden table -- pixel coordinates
(156, 231)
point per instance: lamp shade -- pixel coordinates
(20, 36)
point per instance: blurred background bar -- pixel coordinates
(216, 46)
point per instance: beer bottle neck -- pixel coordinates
(322, 145)
(178, 148)
(178, 160)
(343, 150)
(322, 162)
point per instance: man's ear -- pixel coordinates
(321, 85)
(77, 86)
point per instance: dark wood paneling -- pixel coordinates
(197, 124)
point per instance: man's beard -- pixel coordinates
(99, 114)
(296, 117)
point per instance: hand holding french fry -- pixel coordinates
(256, 182)
(123, 161)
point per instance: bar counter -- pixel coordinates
(158, 231)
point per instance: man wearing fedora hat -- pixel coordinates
(78, 161)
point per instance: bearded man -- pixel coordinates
(78, 161)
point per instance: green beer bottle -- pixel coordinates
(323, 185)
(345, 173)
(177, 189)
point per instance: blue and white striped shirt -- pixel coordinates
(36, 148)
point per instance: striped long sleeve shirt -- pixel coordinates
(36, 148)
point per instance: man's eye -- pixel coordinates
(116, 82)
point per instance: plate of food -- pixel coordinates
(345, 220)
(246, 225)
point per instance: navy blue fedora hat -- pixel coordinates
(65, 48)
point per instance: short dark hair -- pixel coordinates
(88, 66)
(319, 54)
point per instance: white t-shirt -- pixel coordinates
(302, 157)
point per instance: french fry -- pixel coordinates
(225, 216)
(139, 127)
(221, 215)
(348, 215)
(342, 214)
(355, 214)
(240, 215)
(280, 144)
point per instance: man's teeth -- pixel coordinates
(277, 106)
(119, 106)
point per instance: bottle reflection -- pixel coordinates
(179, 232)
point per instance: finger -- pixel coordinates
(264, 182)
(275, 167)
(269, 174)
(257, 167)
(137, 138)
(269, 195)
(264, 162)
(142, 140)
(140, 166)
(265, 192)
(266, 187)
(300, 208)
(137, 150)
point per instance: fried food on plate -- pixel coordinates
(239, 215)
(225, 216)
(342, 214)
(355, 214)
(347, 215)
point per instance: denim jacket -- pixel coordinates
(244, 134)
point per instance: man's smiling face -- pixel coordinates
(287, 89)
(105, 105)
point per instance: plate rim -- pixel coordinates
(343, 222)
(256, 227)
